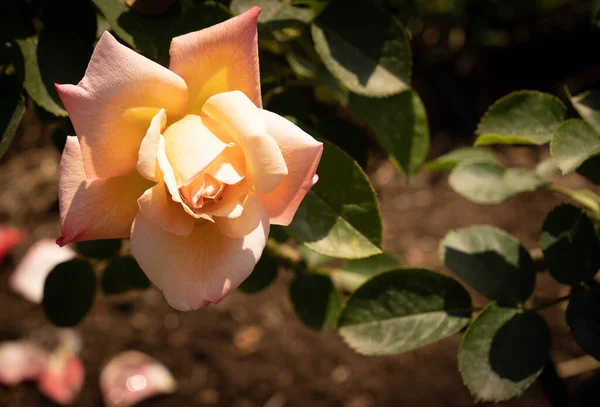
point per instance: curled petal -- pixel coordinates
(111, 108)
(228, 167)
(156, 204)
(199, 269)
(241, 225)
(9, 238)
(302, 154)
(21, 361)
(219, 59)
(131, 377)
(30, 275)
(101, 208)
(190, 147)
(63, 378)
(244, 122)
(147, 164)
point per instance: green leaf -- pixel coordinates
(152, 35)
(123, 274)
(401, 310)
(489, 183)
(316, 300)
(546, 168)
(503, 352)
(38, 89)
(99, 249)
(345, 134)
(587, 105)
(356, 272)
(590, 169)
(265, 272)
(375, 65)
(12, 108)
(463, 155)
(570, 245)
(574, 142)
(491, 261)
(400, 124)
(583, 319)
(523, 117)
(273, 11)
(69, 292)
(339, 217)
(312, 258)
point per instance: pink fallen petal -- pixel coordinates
(63, 379)
(131, 377)
(9, 238)
(29, 277)
(21, 361)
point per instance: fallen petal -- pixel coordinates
(63, 379)
(21, 361)
(9, 238)
(29, 277)
(131, 377)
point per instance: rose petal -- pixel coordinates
(245, 223)
(30, 275)
(101, 208)
(231, 204)
(131, 377)
(302, 154)
(244, 122)
(63, 378)
(190, 147)
(156, 205)
(228, 167)
(111, 108)
(9, 238)
(219, 59)
(147, 164)
(199, 269)
(20, 361)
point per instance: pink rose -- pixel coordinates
(183, 160)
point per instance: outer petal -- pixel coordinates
(244, 224)
(191, 147)
(147, 163)
(219, 59)
(199, 269)
(156, 204)
(112, 106)
(101, 208)
(302, 154)
(243, 122)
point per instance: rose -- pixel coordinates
(182, 160)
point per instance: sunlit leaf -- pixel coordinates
(546, 168)
(400, 124)
(587, 105)
(273, 11)
(312, 258)
(355, 273)
(491, 261)
(583, 319)
(523, 117)
(316, 300)
(490, 183)
(574, 142)
(404, 309)
(69, 292)
(503, 352)
(375, 65)
(339, 217)
(570, 245)
(463, 155)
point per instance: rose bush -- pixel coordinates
(183, 160)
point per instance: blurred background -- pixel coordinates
(251, 349)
